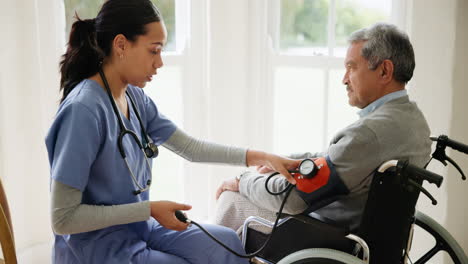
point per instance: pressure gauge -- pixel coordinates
(308, 168)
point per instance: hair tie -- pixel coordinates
(91, 23)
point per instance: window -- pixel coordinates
(309, 39)
(86, 9)
(166, 91)
(315, 27)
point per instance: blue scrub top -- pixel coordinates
(83, 154)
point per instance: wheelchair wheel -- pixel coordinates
(444, 241)
(320, 256)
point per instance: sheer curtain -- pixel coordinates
(32, 41)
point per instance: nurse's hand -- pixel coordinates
(268, 162)
(164, 213)
(264, 169)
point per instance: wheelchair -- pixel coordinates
(385, 232)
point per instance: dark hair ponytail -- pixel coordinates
(82, 57)
(91, 39)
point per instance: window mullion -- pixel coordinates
(398, 15)
(275, 20)
(329, 63)
(325, 106)
(182, 14)
(307, 61)
(331, 27)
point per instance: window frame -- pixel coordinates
(276, 58)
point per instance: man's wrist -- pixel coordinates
(239, 176)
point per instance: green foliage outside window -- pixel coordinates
(90, 8)
(351, 17)
(167, 9)
(304, 22)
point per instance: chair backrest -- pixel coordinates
(388, 216)
(7, 240)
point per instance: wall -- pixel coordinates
(439, 36)
(457, 207)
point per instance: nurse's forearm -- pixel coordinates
(69, 216)
(196, 150)
(306, 155)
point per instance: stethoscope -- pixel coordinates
(148, 148)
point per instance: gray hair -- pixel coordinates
(386, 42)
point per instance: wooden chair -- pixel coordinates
(7, 240)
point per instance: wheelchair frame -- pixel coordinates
(360, 243)
(408, 176)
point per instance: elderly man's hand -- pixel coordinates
(228, 185)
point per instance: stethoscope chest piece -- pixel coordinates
(151, 150)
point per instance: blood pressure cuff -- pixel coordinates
(322, 189)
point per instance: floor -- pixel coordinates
(38, 254)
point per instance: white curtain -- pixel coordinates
(32, 40)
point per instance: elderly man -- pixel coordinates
(379, 62)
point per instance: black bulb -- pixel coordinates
(180, 216)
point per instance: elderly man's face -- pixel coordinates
(361, 83)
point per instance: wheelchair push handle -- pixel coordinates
(412, 175)
(439, 153)
(421, 173)
(446, 141)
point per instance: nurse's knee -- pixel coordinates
(230, 235)
(226, 234)
(154, 256)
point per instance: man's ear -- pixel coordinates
(386, 71)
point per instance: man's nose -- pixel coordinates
(345, 79)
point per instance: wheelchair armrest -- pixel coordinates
(262, 221)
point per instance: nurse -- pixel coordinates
(100, 207)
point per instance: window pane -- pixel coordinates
(90, 8)
(352, 15)
(167, 9)
(340, 113)
(303, 27)
(298, 110)
(84, 8)
(166, 92)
